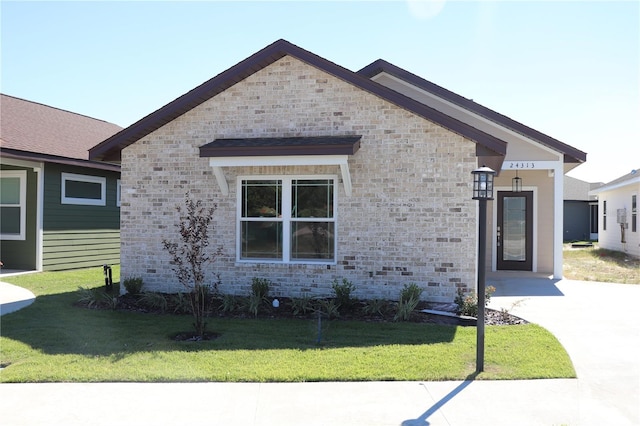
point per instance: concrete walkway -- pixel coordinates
(13, 298)
(595, 322)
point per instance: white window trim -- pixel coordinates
(118, 192)
(84, 201)
(286, 219)
(22, 175)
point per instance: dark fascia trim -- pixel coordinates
(46, 158)
(110, 149)
(320, 145)
(571, 154)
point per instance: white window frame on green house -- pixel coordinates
(282, 218)
(21, 175)
(84, 201)
(118, 193)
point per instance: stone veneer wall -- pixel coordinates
(410, 218)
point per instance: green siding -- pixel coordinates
(22, 254)
(80, 249)
(79, 236)
(60, 217)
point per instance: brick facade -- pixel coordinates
(410, 218)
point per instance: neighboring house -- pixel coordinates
(322, 173)
(618, 207)
(59, 210)
(580, 210)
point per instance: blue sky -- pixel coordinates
(568, 69)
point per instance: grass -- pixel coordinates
(596, 264)
(53, 341)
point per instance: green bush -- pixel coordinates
(468, 303)
(405, 308)
(375, 307)
(156, 301)
(343, 293)
(260, 287)
(409, 292)
(302, 305)
(133, 285)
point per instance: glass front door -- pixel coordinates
(514, 231)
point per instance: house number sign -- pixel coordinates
(531, 165)
(522, 165)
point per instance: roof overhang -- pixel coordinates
(46, 158)
(293, 151)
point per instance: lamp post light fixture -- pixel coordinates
(516, 183)
(482, 191)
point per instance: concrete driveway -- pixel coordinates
(598, 325)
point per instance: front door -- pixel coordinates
(514, 231)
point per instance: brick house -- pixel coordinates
(319, 172)
(58, 209)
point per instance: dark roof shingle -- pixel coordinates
(35, 128)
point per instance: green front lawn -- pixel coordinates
(52, 340)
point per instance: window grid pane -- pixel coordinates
(312, 240)
(261, 240)
(10, 223)
(80, 189)
(312, 198)
(10, 190)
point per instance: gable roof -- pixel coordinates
(571, 154)
(633, 177)
(33, 131)
(111, 148)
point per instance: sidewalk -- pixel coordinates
(595, 322)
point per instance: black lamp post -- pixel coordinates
(482, 191)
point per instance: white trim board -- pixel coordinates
(218, 163)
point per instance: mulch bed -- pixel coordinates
(356, 312)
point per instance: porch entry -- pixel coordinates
(514, 231)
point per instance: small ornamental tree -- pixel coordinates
(190, 255)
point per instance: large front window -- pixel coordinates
(287, 219)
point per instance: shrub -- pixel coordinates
(302, 305)
(329, 308)
(409, 292)
(230, 303)
(405, 308)
(375, 307)
(88, 297)
(343, 292)
(154, 301)
(181, 303)
(468, 304)
(260, 287)
(133, 285)
(409, 299)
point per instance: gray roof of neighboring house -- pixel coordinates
(630, 178)
(37, 132)
(578, 190)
